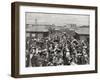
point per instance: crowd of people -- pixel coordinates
(56, 49)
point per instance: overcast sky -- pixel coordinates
(57, 19)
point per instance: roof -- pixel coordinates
(36, 28)
(44, 28)
(82, 30)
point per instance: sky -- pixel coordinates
(57, 19)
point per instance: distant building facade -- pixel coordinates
(36, 30)
(40, 30)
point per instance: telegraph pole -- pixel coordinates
(36, 21)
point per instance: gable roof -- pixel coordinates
(83, 30)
